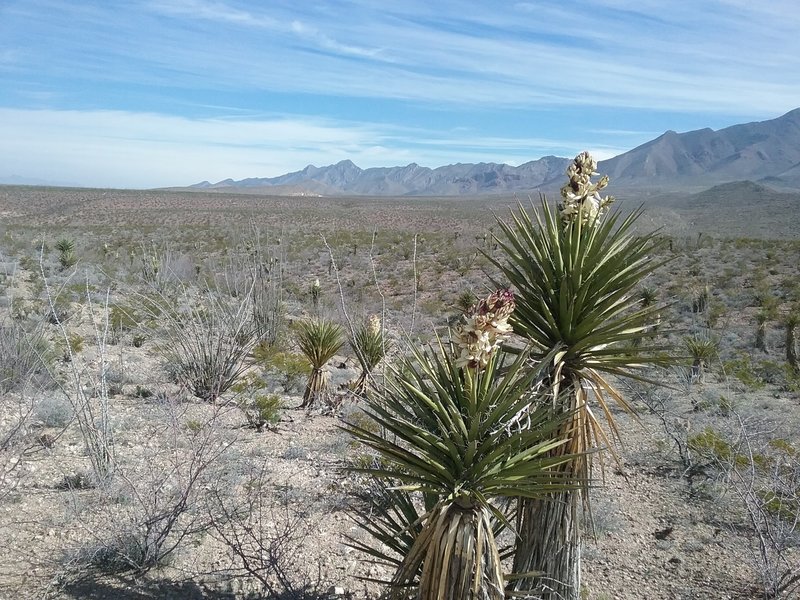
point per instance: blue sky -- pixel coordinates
(148, 93)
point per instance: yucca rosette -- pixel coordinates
(485, 327)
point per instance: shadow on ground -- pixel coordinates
(126, 589)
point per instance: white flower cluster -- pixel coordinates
(374, 325)
(581, 198)
(486, 325)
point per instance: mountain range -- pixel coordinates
(767, 152)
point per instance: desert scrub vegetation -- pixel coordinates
(208, 343)
(267, 514)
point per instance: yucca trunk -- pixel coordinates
(361, 384)
(761, 336)
(698, 373)
(459, 556)
(791, 346)
(317, 382)
(550, 544)
(547, 560)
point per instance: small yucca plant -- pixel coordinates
(703, 349)
(369, 343)
(791, 322)
(319, 340)
(648, 296)
(66, 253)
(452, 433)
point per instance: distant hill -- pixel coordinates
(764, 151)
(740, 209)
(345, 178)
(752, 151)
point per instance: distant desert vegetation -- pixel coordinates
(124, 476)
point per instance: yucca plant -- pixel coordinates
(791, 322)
(703, 349)
(762, 319)
(576, 272)
(648, 296)
(369, 343)
(319, 340)
(66, 253)
(453, 433)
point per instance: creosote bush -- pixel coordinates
(259, 407)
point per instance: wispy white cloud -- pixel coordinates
(222, 13)
(127, 149)
(706, 55)
(518, 79)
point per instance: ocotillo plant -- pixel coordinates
(576, 271)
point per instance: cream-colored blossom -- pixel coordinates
(374, 325)
(484, 328)
(580, 197)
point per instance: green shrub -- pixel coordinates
(292, 367)
(259, 408)
(122, 318)
(742, 368)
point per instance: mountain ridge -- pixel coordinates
(761, 151)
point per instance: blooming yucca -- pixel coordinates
(369, 342)
(575, 273)
(581, 197)
(486, 325)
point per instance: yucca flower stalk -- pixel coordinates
(319, 340)
(452, 434)
(575, 272)
(369, 343)
(485, 326)
(316, 294)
